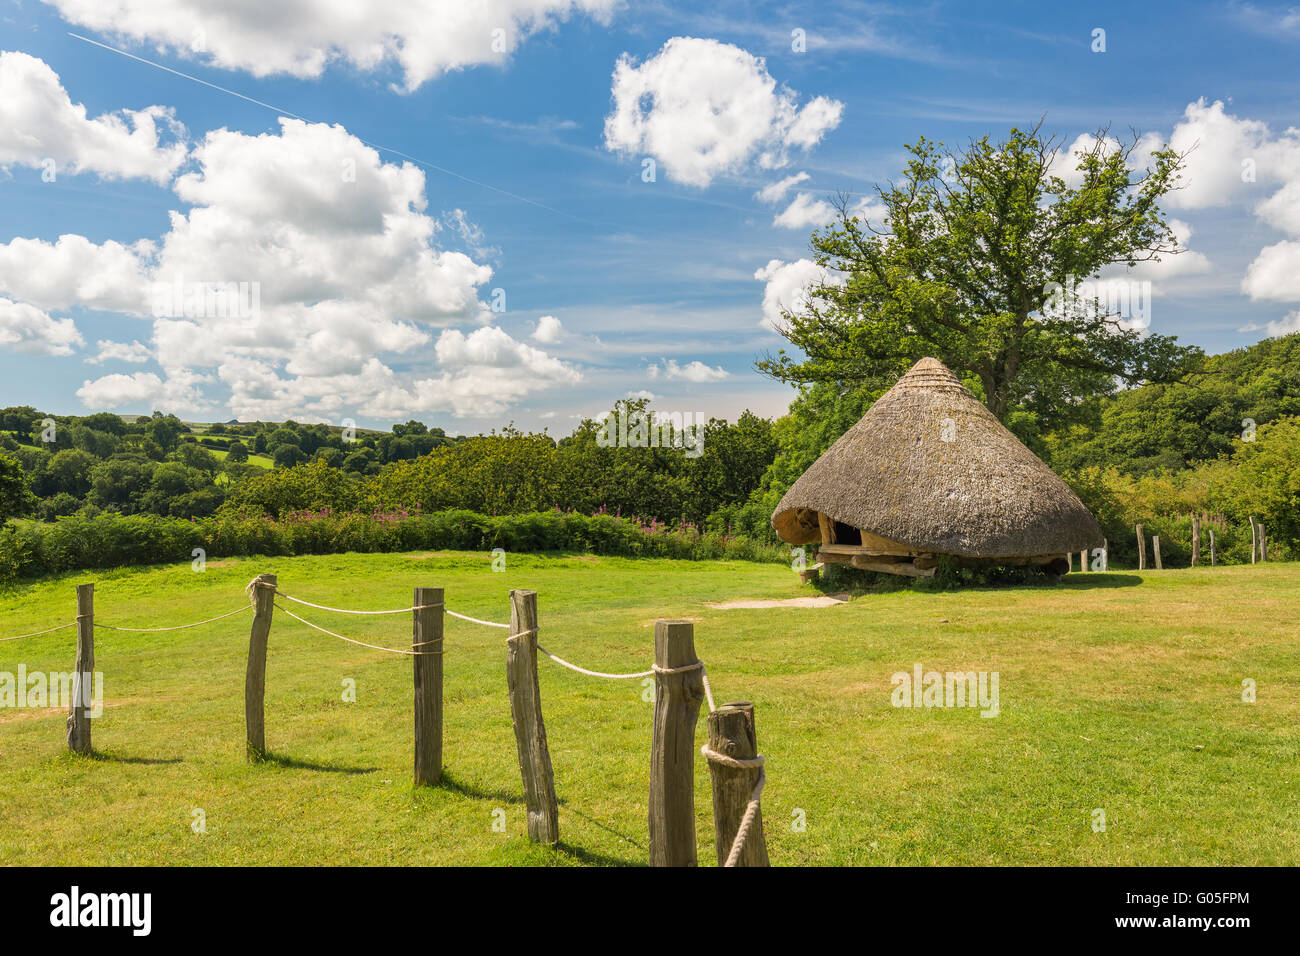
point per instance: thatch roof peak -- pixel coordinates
(930, 374)
(930, 467)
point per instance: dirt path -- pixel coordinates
(826, 600)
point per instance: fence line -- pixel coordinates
(672, 788)
(39, 633)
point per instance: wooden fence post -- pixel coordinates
(1155, 549)
(426, 641)
(1196, 541)
(1263, 543)
(526, 713)
(731, 733)
(1105, 554)
(1142, 550)
(679, 689)
(83, 677)
(1069, 560)
(1212, 555)
(255, 677)
(1254, 542)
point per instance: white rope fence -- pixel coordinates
(751, 809)
(390, 650)
(38, 633)
(178, 627)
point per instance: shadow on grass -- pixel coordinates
(449, 782)
(1100, 579)
(591, 858)
(118, 758)
(604, 826)
(296, 763)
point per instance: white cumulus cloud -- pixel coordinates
(703, 108)
(39, 122)
(786, 287)
(695, 371)
(423, 38)
(28, 329)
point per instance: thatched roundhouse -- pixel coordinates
(929, 471)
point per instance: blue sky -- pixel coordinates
(376, 292)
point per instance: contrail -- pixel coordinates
(293, 115)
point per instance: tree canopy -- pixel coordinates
(969, 266)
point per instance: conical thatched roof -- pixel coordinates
(979, 494)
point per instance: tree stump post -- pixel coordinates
(1196, 541)
(83, 676)
(1254, 541)
(679, 689)
(731, 733)
(426, 640)
(255, 677)
(526, 712)
(1142, 550)
(1212, 554)
(1155, 550)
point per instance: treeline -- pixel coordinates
(514, 473)
(93, 464)
(1223, 444)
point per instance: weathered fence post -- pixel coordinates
(1254, 541)
(1263, 543)
(1196, 541)
(1069, 560)
(1212, 555)
(1155, 549)
(1142, 550)
(526, 713)
(679, 689)
(426, 641)
(255, 678)
(83, 678)
(732, 734)
(1105, 554)
(1083, 559)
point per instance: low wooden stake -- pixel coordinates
(255, 677)
(1196, 541)
(83, 677)
(1155, 548)
(526, 711)
(672, 749)
(426, 640)
(731, 732)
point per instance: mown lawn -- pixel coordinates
(1120, 692)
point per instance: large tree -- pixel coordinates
(969, 265)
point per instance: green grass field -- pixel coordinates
(1119, 691)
